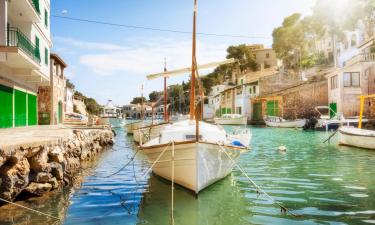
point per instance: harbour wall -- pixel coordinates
(41, 164)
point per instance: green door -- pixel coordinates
(223, 111)
(257, 111)
(229, 110)
(272, 108)
(32, 109)
(333, 110)
(19, 108)
(6, 107)
(59, 113)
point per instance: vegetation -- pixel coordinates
(137, 100)
(70, 85)
(92, 107)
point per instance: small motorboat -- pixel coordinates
(326, 122)
(231, 119)
(275, 121)
(357, 137)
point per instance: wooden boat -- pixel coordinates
(274, 121)
(357, 137)
(146, 133)
(197, 164)
(133, 125)
(231, 119)
(192, 153)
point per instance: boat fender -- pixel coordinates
(237, 143)
(282, 148)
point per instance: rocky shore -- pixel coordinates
(38, 167)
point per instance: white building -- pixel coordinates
(25, 44)
(69, 106)
(214, 99)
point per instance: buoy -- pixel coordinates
(282, 148)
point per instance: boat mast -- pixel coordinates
(193, 66)
(142, 116)
(166, 119)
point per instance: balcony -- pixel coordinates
(18, 43)
(364, 57)
(25, 10)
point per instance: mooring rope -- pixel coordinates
(172, 191)
(122, 168)
(283, 209)
(30, 209)
(157, 159)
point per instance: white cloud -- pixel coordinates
(143, 57)
(86, 45)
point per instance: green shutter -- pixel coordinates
(272, 108)
(6, 107)
(333, 110)
(46, 55)
(46, 18)
(257, 111)
(223, 111)
(32, 109)
(229, 110)
(19, 108)
(37, 50)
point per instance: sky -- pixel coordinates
(112, 62)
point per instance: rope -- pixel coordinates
(30, 209)
(283, 209)
(331, 136)
(118, 171)
(157, 159)
(172, 191)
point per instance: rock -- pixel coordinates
(39, 162)
(2, 160)
(14, 178)
(40, 177)
(32, 151)
(38, 188)
(56, 155)
(53, 181)
(56, 170)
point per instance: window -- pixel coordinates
(351, 79)
(37, 51)
(239, 91)
(238, 110)
(46, 18)
(241, 81)
(268, 55)
(353, 41)
(46, 55)
(334, 82)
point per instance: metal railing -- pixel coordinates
(363, 57)
(15, 38)
(35, 4)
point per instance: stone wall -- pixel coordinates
(35, 170)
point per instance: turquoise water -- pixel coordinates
(322, 183)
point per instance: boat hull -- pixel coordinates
(357, 137)
(231, 121)
(197, 164)
(116, 122)
(144, 134)
(286, 124)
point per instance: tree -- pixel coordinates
(70, 85)
(244, 56)
(137, 100)
(92, 106)
(155, 96)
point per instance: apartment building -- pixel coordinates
(25, 44)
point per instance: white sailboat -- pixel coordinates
(231, 119)
(275, 121)
(192, 153)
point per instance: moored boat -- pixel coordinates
(357, 137)
(231, 119)
(274, 121)
(197, 164)
(146, 133)
(112, 115)
(131, 126)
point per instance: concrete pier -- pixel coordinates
(36, 160)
